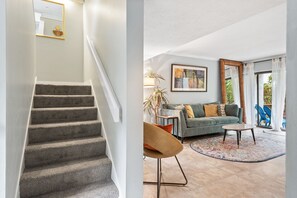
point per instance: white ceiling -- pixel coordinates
(235, 29)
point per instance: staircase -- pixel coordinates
(65, 155)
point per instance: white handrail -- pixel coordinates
(109, 93)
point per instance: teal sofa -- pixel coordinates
(201, 125)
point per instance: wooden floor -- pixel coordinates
(211, 178)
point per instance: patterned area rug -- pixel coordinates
(269, 145)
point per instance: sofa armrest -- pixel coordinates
(240, 115)
(181, 119)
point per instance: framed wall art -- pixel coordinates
(188, 78)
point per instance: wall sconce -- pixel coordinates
(149, 82)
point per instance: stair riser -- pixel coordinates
(62, 90)
(64, 181)
(59, 116)
(47, 102)
(55, 155)
(39, 135)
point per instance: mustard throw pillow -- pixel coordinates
(189, 111)
(211, 110)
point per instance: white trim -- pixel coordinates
(114, 175)
(113, 103)
(22, 167)
(60, 83)
(264, 59)
(192, 56)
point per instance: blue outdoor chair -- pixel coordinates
(268, 113)
(284, 124)
(263, 116)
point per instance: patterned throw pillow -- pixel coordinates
(211, 110)
(221, 110)
(190, 112)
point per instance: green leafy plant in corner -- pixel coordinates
(153, 102)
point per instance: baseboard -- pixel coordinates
(114, 176)
(22, 167)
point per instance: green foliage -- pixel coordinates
(268, 91)
(154, 101)
(229, 91)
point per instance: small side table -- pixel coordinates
(238, 128)
(165, 120)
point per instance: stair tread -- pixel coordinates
(64, 143)
(94, 190)
(62, 108)
(63, 124)
(64, 167)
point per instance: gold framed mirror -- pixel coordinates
(232, 68)
(49, 19)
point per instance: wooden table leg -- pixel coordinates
(225, 132)
(237, 134)
(253, 135)
(240, 135)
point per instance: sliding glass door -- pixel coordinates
(264, 99)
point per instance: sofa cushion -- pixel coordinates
(226, 119)
(198, 110)
(216, 102)
(190, 112)
(200, 122)
(221, 110)
(211, 110)
(231, 110)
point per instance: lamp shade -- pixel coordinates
(149, 82)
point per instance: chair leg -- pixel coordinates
(158, 177)
(169, 183)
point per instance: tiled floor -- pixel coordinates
(212, 178)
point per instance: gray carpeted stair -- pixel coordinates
(45, 101)
(63, 89)
(94, 190)
(65, 155)
(63, 131)
(68, 114)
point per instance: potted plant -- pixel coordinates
(152, 104)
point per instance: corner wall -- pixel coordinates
(291, 159)
(62, 60)
(116, 28)
(162, 65)
(20, 73)
(2, 96)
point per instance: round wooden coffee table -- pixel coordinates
(238, 128)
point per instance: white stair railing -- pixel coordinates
(109, 93)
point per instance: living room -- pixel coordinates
(188, 65)
(93, 65)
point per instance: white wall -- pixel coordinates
(263, 66)
(116, 27)
(62, 60)
(291, 162)
(20, 73)
(2, 96)
(162, 65)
